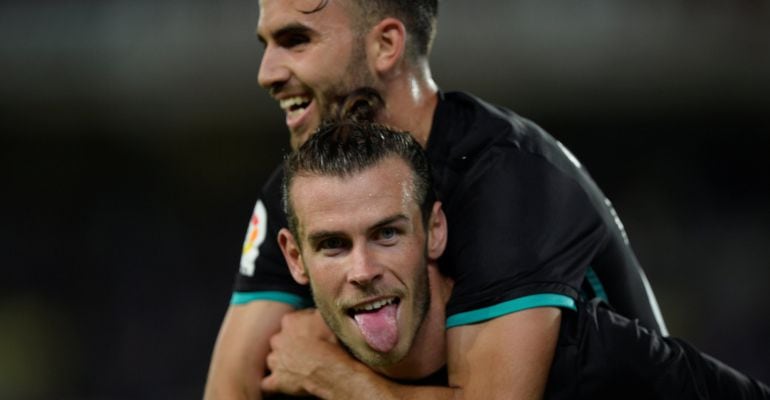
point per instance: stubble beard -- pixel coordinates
(356, 76)
(420, 307)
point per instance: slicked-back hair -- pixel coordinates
(419, 18)
(349, 144)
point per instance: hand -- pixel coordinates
(303, 347)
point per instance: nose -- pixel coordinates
(365, 268)
(273, 72)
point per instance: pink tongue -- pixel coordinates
(379, 328)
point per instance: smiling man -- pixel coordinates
(318, 51)
(310, 62)
(532, 220)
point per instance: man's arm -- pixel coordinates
(238, 362)
(306, 358)
(508, 357)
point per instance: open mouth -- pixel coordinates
(373, 306)
(378, 323)
(295, 106)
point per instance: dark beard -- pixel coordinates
(360, 80)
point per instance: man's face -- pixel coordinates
(363, 248)
(310, 59)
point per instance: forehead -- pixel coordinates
(315, 14)
(357, 201)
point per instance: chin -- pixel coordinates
(298, 139)
(377, 360)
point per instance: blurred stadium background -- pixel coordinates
(135, 138)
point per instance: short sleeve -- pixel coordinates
(263, 273)
(522, 232)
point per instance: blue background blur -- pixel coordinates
(134, 139)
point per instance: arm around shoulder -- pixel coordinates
(238, 361)
(505, 358)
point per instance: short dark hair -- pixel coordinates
(351, 143)
(419, 18)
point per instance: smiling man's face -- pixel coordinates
(363, 250)
(311, 58)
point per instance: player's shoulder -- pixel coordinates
(272, 188)
(475, 126)
(484, 114)
(271, 192)
(275, 179)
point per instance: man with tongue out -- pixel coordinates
(363, 244)
(366, 233)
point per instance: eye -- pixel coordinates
(331, 244)
(291, 40)
(387, 234)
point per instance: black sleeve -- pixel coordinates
(263, 273)
(521, 234)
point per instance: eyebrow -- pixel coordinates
(293, 28)
(320, 235)
(389, 220)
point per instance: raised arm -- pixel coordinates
(238, 361)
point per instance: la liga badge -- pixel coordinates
(255, 235)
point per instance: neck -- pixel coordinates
(411, 99)
(428, 352)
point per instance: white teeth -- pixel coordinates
(288, 103)
(376, 305)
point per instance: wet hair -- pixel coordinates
(419, 18)
(349, 143)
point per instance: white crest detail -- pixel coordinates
(255, 235)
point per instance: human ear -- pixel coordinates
(437, 232)
(293, 255)
(387, 44)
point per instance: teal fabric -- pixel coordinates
(281, 297)
(596, 284)
(511, 306)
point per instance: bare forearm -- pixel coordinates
(238, 360)
(505, 358)
(351, 380)
(306, 359)
(324, 370)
